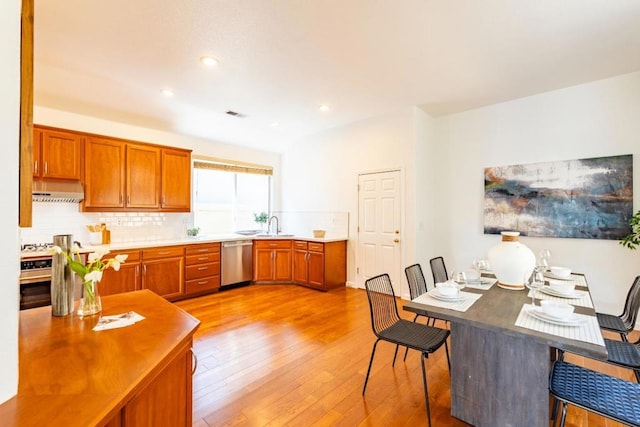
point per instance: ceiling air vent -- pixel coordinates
(234, 113)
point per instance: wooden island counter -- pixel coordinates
(138, 375)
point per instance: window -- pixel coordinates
(226, 196)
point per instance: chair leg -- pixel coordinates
(366, 379)
(446, 350)
(554, 413)
(394, 356)
(564, 413)
(426, 392)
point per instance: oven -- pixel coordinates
(35, 281)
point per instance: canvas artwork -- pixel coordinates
(585, 198)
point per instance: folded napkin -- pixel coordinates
(117, 321)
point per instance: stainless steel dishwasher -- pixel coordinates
(237, 262)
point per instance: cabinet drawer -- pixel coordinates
(272, 244)
(131, 255)
(316, 247)
(298, 244)
(202, 249)
(202, 270)
(201, 285)
(202, 258)
(166, 252)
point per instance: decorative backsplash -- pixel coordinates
(302, 224)
(50, 219)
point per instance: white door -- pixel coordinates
(379, 238)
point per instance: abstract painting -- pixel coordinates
(585, 198)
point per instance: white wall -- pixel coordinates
(320, 173)
(591, 120)
(9, 135)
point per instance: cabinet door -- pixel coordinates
(282, 265)
(127, 279)
(316, 269)
(164, 276)
(143, 177)
(167, 401)
(263, 265)
(176, 180)
(60, 154)
(104, 173)
(300, 266)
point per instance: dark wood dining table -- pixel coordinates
(499, 371)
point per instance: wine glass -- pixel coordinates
(534, 281)
(460, 279)
(544, 258)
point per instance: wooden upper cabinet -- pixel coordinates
(126, 176)
(176, 180)
(104, 175)
(56, 154)
(143, 176)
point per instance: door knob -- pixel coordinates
(396, 240)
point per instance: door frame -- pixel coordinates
(359, 282)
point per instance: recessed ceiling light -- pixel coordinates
(324, 108)
(209, 61)
(167, 92)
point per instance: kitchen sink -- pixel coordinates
(275, 235)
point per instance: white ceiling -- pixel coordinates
(281, 59)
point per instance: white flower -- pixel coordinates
(93, 276)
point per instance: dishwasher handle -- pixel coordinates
(235, 244)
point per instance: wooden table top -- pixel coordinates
(498, 310)
(72, 375)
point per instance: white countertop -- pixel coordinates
(190, 240)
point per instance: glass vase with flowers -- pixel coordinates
(90, 274)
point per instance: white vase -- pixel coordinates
(510, 260)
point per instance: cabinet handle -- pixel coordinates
(195, 361)
(164, 253)
(128, 199)
(203, 282)
(46, 168)
(137, 270)
(202, 268)
(203, 250)
(35, 167)
(121, 198)
(144, 270)
(202, 258)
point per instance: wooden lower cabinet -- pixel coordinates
(167, 401)
(163, 271)
(126, 279)
(202, 268)
(320, 265)
(272, 261)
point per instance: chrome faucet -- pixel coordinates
(277, 225)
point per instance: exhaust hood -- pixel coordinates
(50, 191)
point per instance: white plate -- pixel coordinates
(553, 276)
(572, 320)
(572, 295)
(480, 281)
(436, 294)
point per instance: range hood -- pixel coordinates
(50, 191)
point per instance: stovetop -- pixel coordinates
(35, 247)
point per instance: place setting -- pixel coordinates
(449, 294)
(473, 278)
(564, 292)
(555, 315)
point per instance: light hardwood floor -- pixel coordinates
(284, 355)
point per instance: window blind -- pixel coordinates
(230, 166)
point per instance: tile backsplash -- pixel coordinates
(50, 219)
